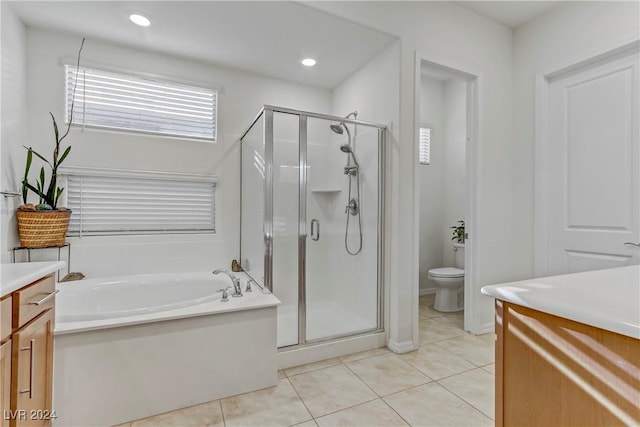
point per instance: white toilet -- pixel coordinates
(450, 283)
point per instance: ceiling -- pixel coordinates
(509, 12)
(265, 37)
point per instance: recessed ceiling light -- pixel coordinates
(308, 62)
(138, 19)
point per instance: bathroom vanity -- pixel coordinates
(27, 304)
(568, 349)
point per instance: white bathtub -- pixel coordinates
(131, 347)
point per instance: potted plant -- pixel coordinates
(45, 224)
(458, 232)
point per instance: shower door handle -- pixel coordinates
(315, 231)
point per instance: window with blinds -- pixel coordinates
(123, 205)
(138, 104)
(425, 145)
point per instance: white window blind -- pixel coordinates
(132, 103)
(425, 145)
(120, 205)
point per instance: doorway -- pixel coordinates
(445, 129)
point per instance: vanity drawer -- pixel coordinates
(5, 317)
(32, 300)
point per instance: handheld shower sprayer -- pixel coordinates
(353, 207)
(346, 148)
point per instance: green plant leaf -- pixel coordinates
(34, 189)
(29, 160)
(41, 157)
(55, 127)
(58, 193)
(25, 191)
(64, 156)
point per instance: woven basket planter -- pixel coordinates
(39, 229)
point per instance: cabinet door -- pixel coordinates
(5, 382)
(32, 371)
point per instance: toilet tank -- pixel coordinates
(458, 249)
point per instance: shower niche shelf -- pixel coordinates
(326, 190)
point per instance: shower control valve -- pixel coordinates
(225, 295)
(353, 208)
(351, 170)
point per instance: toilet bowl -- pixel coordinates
(449, 283)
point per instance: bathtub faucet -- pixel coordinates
(237, 290)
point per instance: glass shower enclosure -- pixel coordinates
(312, 221)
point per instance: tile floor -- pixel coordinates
(449, 381)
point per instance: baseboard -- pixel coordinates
(402, 347)
(486, 328)
(426, 291)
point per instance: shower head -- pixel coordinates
(337, 128)
(346, 148)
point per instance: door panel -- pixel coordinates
(593, 160)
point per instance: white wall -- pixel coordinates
(447, 34)
(432, 114)
(566, 34)
(454, 183)
(13, 112)
(242, 95)
(373, 92)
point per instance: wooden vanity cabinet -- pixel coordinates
(5, 357)
(32, 363)
(27, 355)
(552, 371)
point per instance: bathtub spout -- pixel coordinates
(237, 290)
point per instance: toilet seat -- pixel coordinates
(446, 272)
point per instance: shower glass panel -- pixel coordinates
(252, 255)
(312, 221)
(285, 224)
(341, 274)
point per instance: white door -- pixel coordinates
(591, 166)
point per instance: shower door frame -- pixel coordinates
(266, 113)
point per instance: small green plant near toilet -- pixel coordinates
(458, 232)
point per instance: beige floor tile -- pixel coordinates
(476, 387)
(207, 414)
(432, 331)
(426, 309)
(375, 413)
(436, 362)
(477, 350)
(281, 374)
(312, 366)
(490, 368)
(310, 423)
(433, 405)
(387, 374)
(331, 389)
(275, 406)
(123, 425)
(454, 319)
(364, 354)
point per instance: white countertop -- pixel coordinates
(607, 299)
(15, 276)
